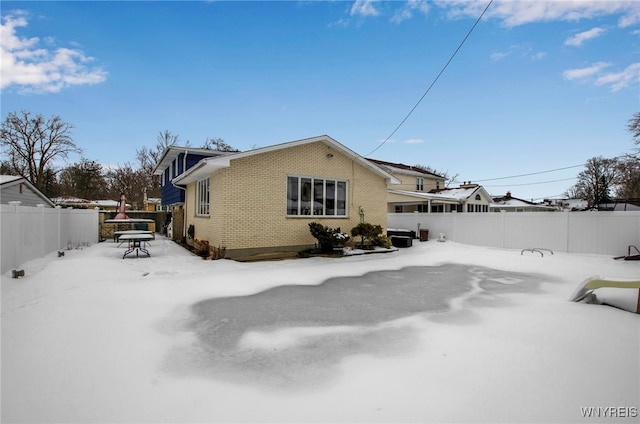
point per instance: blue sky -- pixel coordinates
(538, 86)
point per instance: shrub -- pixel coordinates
(328, 238)
(370, 235)
(201, 248)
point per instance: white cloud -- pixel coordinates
(40, 70)
(581, 73)
(414, 141)
(406, 12)
(539, 56)
(619, 80)
(522, 51)
(581, 37)
(520, 12)
(498, 56)
(616, 80)
(364, 8)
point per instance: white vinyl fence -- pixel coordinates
(607, 233)
(33, 232)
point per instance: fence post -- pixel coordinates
(503, 227)
(59, 208)
(43, 247)
(19, 240)
(567, 230)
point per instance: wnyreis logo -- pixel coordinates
(609, 412)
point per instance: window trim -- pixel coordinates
(314, 183)
(203, 206)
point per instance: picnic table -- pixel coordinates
(118, 234)
(136, 243)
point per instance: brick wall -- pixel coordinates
(248, 200)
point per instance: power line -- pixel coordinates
(532, 173)
(435, 80)
(528, 184)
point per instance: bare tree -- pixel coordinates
(215, 143)
(630, 164)
(32, 143)
(634, 127)
(128, 180)
(599, 178)
(444, 174)
(629, 178)
(84, 179)
(148, 158)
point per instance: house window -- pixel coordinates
(399, 208)
(419, 184)
(423, 208)
(202, 197)
(316, 196)
(478, 197)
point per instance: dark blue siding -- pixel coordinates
(169, 193)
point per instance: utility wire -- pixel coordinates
(532, 173)
(436, 79)
(528, 184)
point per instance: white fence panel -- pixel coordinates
(606, 233)
(32, 232)
(535, 229)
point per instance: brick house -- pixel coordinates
(259, 203)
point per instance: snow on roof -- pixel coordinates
(460, 193)
(8, 178)
(403, 169)
(513, 202)
(455, 197)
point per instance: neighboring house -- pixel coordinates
(412, 178)
(509, 203)
(19, 189)
(152, 204)
(175, 161)
(77, 203)
(466, 198)
(259, 203)
(620, 205)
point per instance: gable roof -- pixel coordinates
(207, 166)
(404, 169)
(513, 202)
(7, 181)
(453, 195)
(172, 152)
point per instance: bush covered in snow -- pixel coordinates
(328, 238)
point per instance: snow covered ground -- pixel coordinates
(90, 337)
